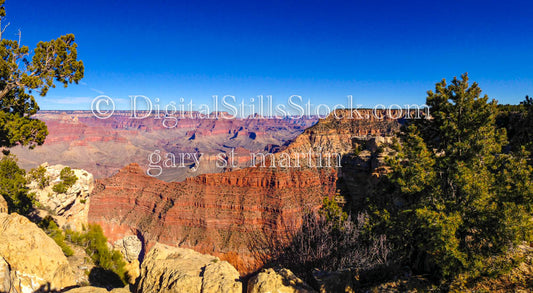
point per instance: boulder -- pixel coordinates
(337, 281)
(171, 269)
(129, 246)
(280, 281)
(30, 258)
(5, 276)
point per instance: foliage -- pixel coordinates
(20, 74)
(328, 240)
(51, 228)
(13, 186)
(458, 198)
(68, 178)
(95, 244)
(39, 175)
(518, 121)
(332, 212)
(60, 187)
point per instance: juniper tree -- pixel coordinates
(21, 73)
(458, 198)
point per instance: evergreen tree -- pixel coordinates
(13, 186)
(22, 72)
(458, 198)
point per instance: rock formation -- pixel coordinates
(29, 259)
(170, 269)
(129, 246)
(68, 209)
(282, 280)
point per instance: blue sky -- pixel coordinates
(380, 52)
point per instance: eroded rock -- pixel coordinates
(33, 259)
(171, 269)
(3, 205)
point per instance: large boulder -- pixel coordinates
(171, 269)
(30, 258)
(69, 209)
(279, 281)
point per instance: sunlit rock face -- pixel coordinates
(29, 259)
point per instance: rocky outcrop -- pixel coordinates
(3, 205)
(30, 258)
(68, 209)
(170, 269)
(282, 280)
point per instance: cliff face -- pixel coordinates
(211, 213)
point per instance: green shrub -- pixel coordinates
(95, 244)
(51, 228)
(60, 188)
(39, 175)
(68, 177)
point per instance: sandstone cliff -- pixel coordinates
(29, 259)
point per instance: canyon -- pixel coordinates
(223, 214)
(102, 146)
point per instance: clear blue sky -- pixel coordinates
(378, 51)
